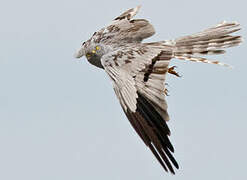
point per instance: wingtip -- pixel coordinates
(136, 10)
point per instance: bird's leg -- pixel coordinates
(172, 71)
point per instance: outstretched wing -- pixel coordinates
(124, 30)
(138, 72)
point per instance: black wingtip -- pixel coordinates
(157, 131)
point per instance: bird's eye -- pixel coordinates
(97, 48)
(93, 51)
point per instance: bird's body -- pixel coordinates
(138, 71)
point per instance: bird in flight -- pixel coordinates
(138, 71)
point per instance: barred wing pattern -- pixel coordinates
(124, 30)
(138, 73)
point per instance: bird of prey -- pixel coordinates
(138, 71)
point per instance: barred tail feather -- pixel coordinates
(211, 41)
(201, 59)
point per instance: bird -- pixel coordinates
(138, 71)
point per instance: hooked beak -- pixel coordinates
(79, 53)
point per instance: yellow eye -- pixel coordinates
(97, 48)
(93, 51)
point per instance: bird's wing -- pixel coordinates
(138, 75)
(125, 30)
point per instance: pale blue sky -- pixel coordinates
(60, 119)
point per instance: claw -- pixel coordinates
(171, 71)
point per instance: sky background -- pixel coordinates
(60, 119)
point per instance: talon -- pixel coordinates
(171, 71)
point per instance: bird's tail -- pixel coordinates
(210, 41)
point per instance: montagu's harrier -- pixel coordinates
(138, 71)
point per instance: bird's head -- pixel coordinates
(93, 53)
